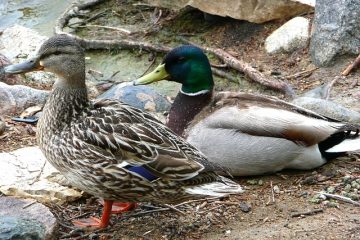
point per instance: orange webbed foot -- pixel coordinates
(92, 222)
(121, 207)
(95, 222)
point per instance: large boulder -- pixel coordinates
(257, 11)
(336, 30)
(24, 219)
(143, 97)
(26, 173)
(16, 98)
(291, 36)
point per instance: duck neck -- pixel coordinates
(185, 108)
(63, 106)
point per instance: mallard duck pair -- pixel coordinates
(109, 149)
(246, 133)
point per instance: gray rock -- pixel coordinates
(291, 36)
(257, 11)
(336, 30)
(25, 219)
(143, 97)
(328, 108)
(16, 98)
(245, 207)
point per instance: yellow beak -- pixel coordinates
(157, 75)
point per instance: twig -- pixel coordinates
(121, 30)
(340, 198)
(175, 209)
(301, 73)
(272, 192)
(226, 203)
(310, 212)
(84, 236)
(197, 200)
(92, 18)
(224, 65)
(78, 216)
(249, 71)
(29, 204)
(352, 66)
(223, 74)
(156, 20)
(208, 210)
(147, 212)
(37, 177)
(330, 86)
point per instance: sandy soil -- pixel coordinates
(273, 199)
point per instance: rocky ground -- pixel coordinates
(278, 206)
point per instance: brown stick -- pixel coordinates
(352, 66)
(340, 198)
(302, 73)
(251, 72)
(224, 74)
(311, 212)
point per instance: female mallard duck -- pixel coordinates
(109, 149)
(246, 133)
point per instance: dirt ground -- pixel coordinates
(272, 207)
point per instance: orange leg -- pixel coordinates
(120, 207)
(94, 222)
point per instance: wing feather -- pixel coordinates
(136, 137)
(259, 115)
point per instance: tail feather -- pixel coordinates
(220, 188)
(345, 139)
(348, 145)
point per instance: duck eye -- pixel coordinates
(180, 59)
(57, 53)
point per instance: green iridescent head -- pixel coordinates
(187, 65)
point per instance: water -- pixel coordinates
(39, 15)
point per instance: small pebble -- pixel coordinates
(276, 189)
(252, 182)
(260, 182)
(318, 198)
(330, 189)
(354, 184)
(354, 197)
(330, 204)
(245, 207)
(315, 200)
(322, 196)
(346, 178)
(347, 188)
(304, 194)
(227, 232)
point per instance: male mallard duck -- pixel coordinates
(246, 133)
(109, 149)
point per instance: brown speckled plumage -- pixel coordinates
(96, 144)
